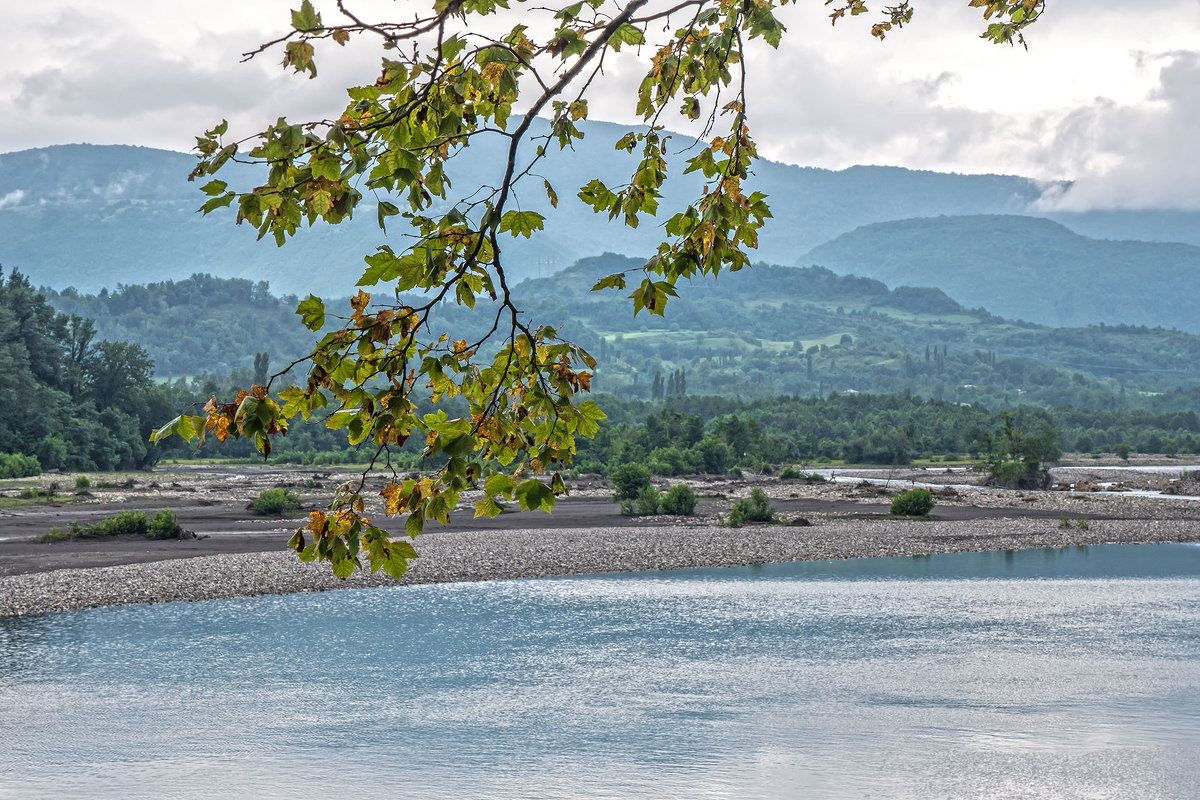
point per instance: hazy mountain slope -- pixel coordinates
(93, 216)
(1027, 268)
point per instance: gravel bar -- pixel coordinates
(484, 555)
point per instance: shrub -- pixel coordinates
(648, 502)
(17, 465)
(679, 500)
(56, 534)
(163, 526)
(755, 508)
(629, 480)
(129, 523)
(83, 482)
(124, 522)
(913, 503)
(274, 502)
(791, 474)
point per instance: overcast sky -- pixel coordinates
(1108, 94)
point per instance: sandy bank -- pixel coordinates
(483, 555)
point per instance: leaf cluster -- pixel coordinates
(449, 76)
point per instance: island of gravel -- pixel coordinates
(237, 555)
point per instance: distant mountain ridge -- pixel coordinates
(97, 216)
(1027, 268)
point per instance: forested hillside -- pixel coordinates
(196, 325)
(756, 333)
(771, 364)
(772, 330)
(1027, 268)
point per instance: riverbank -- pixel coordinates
(473, 555)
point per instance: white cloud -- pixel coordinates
(1125, 156)
(12, 198)
(1091, 100)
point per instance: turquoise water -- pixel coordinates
(1055, 673)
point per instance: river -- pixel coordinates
(1035, 674)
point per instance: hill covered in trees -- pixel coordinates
(771, 364)
(757, 333)
(1027, 268)
(772, 330)
(200, 324)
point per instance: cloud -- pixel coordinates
(12, 198)
(129, 88)
(1124, 156)
(1093, 100)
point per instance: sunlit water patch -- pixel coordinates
(1072, 673)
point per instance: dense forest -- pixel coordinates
(782, 330)
(71, 399)
(74, 400)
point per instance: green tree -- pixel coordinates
(1018, 460)
(450, 76)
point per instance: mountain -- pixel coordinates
(1027, 268)
(98, 216)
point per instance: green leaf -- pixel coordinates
(521, 223)
(187, 427)
(217, 202)
(533, 494)
(616, 281)
(345, 567)
(499, 484)
(396, 566)
(416, 521)
(487, 507)
(312, 312)
(327, 168)
(625, 34)
(306, 19)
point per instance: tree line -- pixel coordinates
(709, 434)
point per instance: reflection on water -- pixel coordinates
(1057, 673)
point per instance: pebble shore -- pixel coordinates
(472, 556)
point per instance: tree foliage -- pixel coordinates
(1018, 460)
(66, 399)
(451, 76)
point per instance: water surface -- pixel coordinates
(1047, 673)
